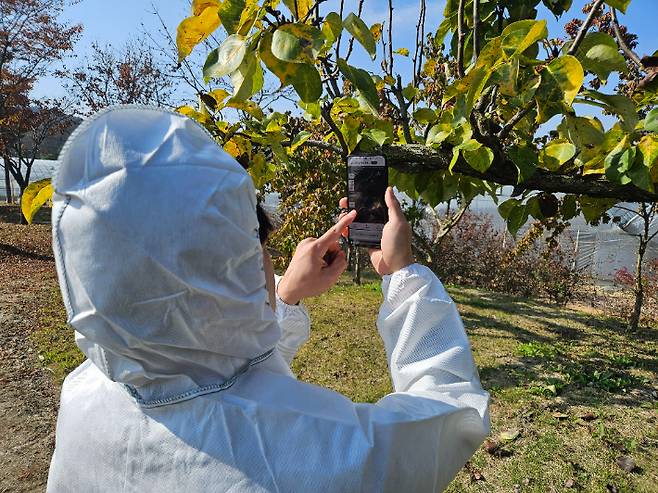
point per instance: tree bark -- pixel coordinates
(8, 190)
(416, 158)
(356, 273)
(634, 319)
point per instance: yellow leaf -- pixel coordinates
(195, 29)
(190, 112)
(238, 146)
(199, 6)
(34, 196)
(376, 30)
(299, 8)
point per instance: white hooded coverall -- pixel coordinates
(160, 265)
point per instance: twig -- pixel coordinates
(351, 43)
(420, 38)
(476, 29)
(509, 126)
(584, 28)
(390, 37)
(461, 37)
(403, 108)
(326, 114)
(620, 41)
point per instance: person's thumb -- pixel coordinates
(394, 208)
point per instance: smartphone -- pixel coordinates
(367, 180)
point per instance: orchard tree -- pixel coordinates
(132, 74)
(32, 40)
(464, 121)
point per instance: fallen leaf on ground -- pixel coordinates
(509, 435)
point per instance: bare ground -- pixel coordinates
(28, 401)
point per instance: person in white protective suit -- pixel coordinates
(187, 386)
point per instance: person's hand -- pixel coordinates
(316, 265)
(395, 252)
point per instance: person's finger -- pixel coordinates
(394, 208)
(333, 234)
(337, 267)
(342, 203)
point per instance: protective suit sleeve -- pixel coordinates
(295, 326)
(434, 375)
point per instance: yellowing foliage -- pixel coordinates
(195, 29)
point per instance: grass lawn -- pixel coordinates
(574, 398)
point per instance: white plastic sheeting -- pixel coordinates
(41, 169)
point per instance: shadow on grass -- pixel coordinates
(583, 358)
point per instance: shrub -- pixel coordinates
(476, 253)
(625, 279)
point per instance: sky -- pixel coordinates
(117, 21)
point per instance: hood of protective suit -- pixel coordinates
(156, 242)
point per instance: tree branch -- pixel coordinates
(476, 29)
(584, 28)
(461, 37)
(403, 108)
(326, 115)
(416, 158)
(509, 126)
(620, 40)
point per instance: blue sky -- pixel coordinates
(117, 21)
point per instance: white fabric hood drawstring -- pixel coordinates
(157, 249)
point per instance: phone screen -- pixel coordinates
(367, 179)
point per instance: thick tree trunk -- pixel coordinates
(634, 319)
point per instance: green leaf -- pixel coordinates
(402, 51)
(357, 28)
(332, 27)
(479, 159)
(363, 82)
(555, 154)
(615, 103)
(312, 111)
(230, 12)
(506, 207)
(619, 162)
(582, 131)
(560, 82)
(525, 159)
(225, 59)
(517, 218)
(425, 115)
(410, 92)
(651, 121)
(299, 139)
(35, 195)
(247, 80)
(593, 208)
(307, 83)
(598, 53)
(506, 77)
(558, 7)
(619, 4)
(518, 36)
(297, 43)
(303, 77)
